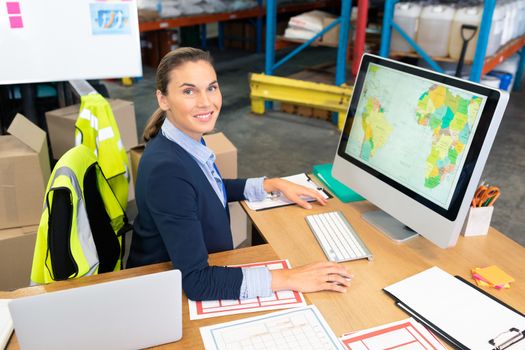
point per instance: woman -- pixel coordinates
(182, 199)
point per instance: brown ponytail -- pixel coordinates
(154, 124)
(169, 62)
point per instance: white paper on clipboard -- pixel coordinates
(300, 179)
(456, 309)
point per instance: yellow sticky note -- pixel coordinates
(494, 275)
(480, 283)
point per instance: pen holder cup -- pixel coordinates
(478, 221)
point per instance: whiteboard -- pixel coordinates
(57, 40)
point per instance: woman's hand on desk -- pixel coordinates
(312, 278)
(293, 191)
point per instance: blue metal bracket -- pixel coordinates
(305, 44)
(481, 47)
(483, 38)
(418, 49)
(202, 30)
(343, 21)
(386, 35)
(344, 27)
(386, 31)
(221, 36)
(271, 22)
(519, 72)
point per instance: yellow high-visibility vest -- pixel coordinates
(80, 231)
(97, 129)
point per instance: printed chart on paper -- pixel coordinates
(298, 329)
(401, 335)
(278, 300)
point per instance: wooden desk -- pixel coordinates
(365, 304)
(191, 338)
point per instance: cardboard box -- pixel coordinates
(61, 126)
(24, 172)
(222, 147)
(240, 225)
(226, 154)
(134, 158)
(332, 36)
(16, 256)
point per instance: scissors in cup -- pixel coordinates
(486, 196)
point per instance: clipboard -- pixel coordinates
(501, 337)
(277, 201)
(345, 194)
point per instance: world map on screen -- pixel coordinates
(414, 130)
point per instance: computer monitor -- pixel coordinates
(414, 144)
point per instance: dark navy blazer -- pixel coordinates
(181, 218)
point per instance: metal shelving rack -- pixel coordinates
(201, 20)
(481, 64)
(302, 89)
(344, 25)
(257, 12)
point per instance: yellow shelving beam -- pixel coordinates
(305, 93)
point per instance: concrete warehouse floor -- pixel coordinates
(280, 144)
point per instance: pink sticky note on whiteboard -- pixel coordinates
(13, 8)
(16, 22)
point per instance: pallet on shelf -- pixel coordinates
(320, 74)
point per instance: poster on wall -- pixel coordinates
(58, 40)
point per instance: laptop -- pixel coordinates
(131, 313)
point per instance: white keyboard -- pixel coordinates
(337, 237)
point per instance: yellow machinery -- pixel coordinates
(316, 95)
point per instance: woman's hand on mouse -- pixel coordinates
(312, 278)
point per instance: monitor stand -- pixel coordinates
(390, 226)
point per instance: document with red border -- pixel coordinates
(278, 300)
(405, 334)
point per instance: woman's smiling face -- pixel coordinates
(193, 100)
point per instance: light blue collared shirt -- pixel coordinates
(256, 281)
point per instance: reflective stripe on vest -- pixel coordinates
(69, 173)
(85, 237)
(98, 130)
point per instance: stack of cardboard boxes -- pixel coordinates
(24, 172)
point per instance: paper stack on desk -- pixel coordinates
(283, 299)
(300, 328)
(404, 334)
(6, 323)
(280, 200)
(491, 276)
